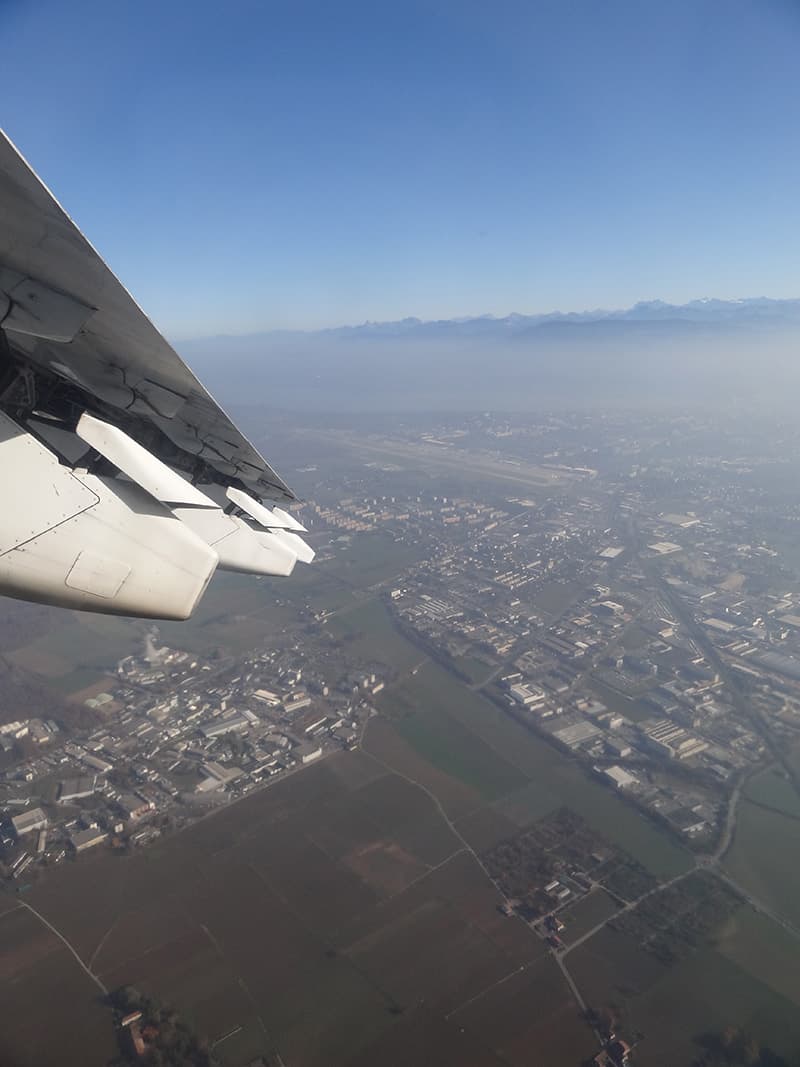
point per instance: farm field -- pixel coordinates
(773, 790)
(475, 669)
(708, 993)
(529, 1019)
(585, 914)
(762, 948)
(368, 631)
(434, 696)
(373, 558)
(763, 858)
(33, 959)
(444, 742)
(341, 888)
(78, 650)
(745, 980)
(525, 805)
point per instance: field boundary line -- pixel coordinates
(102, 941)
(217, 946)
(421, 877)
(562, 966)
(97, 980)
(438, 805)
(500, 981)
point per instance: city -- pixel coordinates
(653, 648)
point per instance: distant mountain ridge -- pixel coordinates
(710, 312)
(703, 353)
(761, 311)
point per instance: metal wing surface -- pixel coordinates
(123, 485)
(65, 314)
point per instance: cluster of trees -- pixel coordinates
(169, 1041)
(734, 1047)
(525, 863)
(522, 867)
(684, 917)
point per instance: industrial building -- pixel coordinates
(529, 695)
(83, 839)
(35, 819)
(216, 776)
(133, 806)
(577, 734)
(306, 753)
(76, 788)
(620, 749)
(218, 727)
(668, 739)
(619, 777)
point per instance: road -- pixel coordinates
(729, 826)
(714, 861)
(561, 953)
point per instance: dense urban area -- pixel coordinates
(621, 592)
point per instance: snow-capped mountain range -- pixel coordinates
(709, 311)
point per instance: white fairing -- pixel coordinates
(77, 540)
(305, 553)
(239, 547)
(140, 465)
(290, 521)
(278, 522)
(274, 519)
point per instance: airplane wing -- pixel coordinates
(117, 461)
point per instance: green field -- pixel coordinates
(714, 988)
(708, 993)
(445, 743)
(82, 649)
(635, 710)
(774, 790)
(368, 633)
(476, 670)
(585, 914)
(763, 948)
(528, 804)
(371, 558)
(555, 779)
(764, 858)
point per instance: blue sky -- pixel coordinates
(246, 166)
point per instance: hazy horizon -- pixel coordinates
(620, 365)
